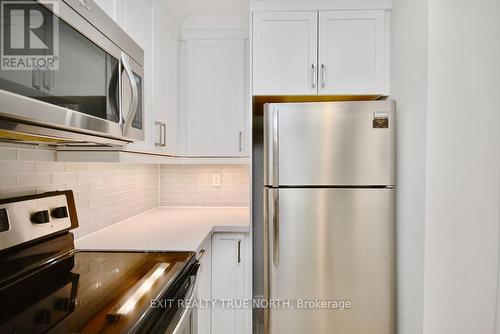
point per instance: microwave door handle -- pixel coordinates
(127, 124)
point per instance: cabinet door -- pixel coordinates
(138, 24)
(285, 53)
(352, 52)
(228, 281)
(215, 97)
(204, 315)
(165, 59)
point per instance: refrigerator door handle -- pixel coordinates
(276, 226)
(271, 147)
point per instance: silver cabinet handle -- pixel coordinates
(159, 127)
(314, 75)
(240, 141)
(162, 134)
(164, 137)
(135, 96)
(239, 251)
(323, 75)
(36, 81)
(48, 79)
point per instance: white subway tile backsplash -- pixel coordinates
(34, 179)
(105, 193)
(9, 180)
(64, 177)
(191, 185)
(36, 155)
(7, 167)
(7, 153)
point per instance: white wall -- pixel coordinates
(446, 81)
(462, 180)
(409, 89)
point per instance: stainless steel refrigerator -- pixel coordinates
(329, 217)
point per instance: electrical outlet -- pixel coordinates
(216, 180)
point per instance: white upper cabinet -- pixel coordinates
(352, 52)
(165, 82)
(285, 53)
(215, 97)
(337, 52)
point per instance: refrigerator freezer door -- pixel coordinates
(331, 143)
(334, 245)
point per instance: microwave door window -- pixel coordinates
(86, 79)
(14, 78)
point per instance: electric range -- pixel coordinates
(48, 286)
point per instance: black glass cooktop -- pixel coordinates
(87, 292)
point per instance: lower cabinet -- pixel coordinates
(228, 283)
(224, 277)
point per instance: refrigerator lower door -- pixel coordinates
(335, 245)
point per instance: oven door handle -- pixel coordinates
(127, 124)
(187, 311)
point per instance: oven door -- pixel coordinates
(81, 90)
(186, 323)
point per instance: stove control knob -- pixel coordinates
(40, 217)
(42, 317)
(60, 212)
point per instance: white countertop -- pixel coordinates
(168, 229)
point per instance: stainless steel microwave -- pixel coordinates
(69, 75)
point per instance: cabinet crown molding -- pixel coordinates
(295, 5)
